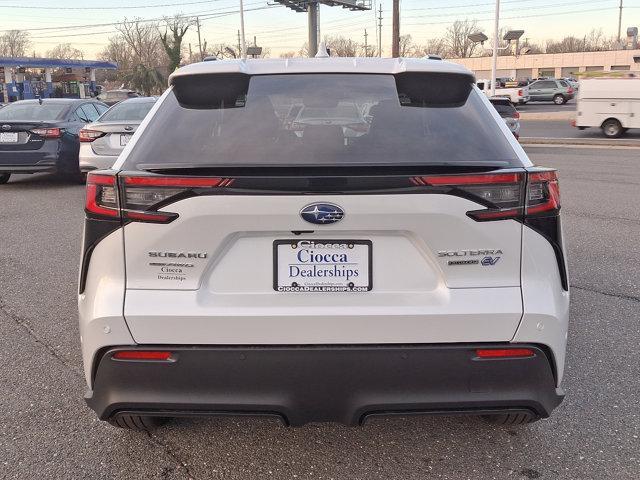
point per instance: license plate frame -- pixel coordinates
(13, 136)
(343, 287)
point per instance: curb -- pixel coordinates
(542, 116)
(606, 142)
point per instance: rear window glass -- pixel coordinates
(33, 111)
(504, 108)
(127, 112)
(563, 83)
(323, 119)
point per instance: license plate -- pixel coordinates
(322, 265)
(9, 137)
(124, 139)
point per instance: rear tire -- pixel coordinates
(4, 178)
(612, 128)
(559, 100)
(520, 418)
(142, 423)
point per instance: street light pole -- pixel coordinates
(243, 44)
(494, 61)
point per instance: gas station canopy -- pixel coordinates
(32, 62)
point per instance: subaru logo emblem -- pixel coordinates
(322, 213)
(6, 127)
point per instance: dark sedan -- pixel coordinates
(42, 135)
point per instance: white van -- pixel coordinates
(612, 104)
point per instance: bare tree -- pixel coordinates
(175, 29)
(14, 43)
(224, 50)
(457, 38)
(342, 47)
(434, 46)
(407, 47)
(594, 41)
(289, 55)
(65, 51)
(142, 39)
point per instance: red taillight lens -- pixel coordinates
(570, 90)
(520, 93)
(142, 355)
(139, 198)
(543, 193)
(47, 132)
(143, 196)
(86, 135)
(516, 114)
(505, 352)
(102, 196)
(504, 193)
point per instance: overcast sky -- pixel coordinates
(283, 30)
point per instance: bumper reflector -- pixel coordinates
(505, 353)
(141, 355)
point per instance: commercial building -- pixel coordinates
(23, 78)
(553, 64)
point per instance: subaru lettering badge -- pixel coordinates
(322, 213)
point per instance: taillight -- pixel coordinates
(502, 193)
(47, 132)
(570, 90)
(506, 195)
(140, 198)
(86, 135)
(520, 93)
(505, 352)
(543, 194)
(102, 196)
(516, 114)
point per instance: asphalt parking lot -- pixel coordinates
(46, 430)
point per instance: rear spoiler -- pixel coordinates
(415, 89)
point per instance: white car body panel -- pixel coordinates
(100, 305)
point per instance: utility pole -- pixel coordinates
(395, 37)
(380, 32)
(620, 24)
(239, 45)
(199, 40)
(312, 10)
(366, 45)
(494, 60)
(243, 43)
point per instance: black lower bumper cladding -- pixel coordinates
(344, 384)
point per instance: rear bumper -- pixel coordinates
(344, 384)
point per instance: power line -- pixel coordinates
(122, 7)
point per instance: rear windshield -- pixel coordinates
(322, 119)
(127, 112)
(33, 111)
(504, 108)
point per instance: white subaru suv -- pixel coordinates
(391, 251)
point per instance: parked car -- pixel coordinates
(557, 91)
(102, 141)
(42, 136)
(612, 104)
(518, 95)
(111, 97)
(231, 266)
(508, 113)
